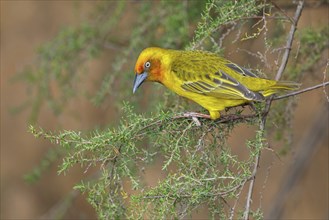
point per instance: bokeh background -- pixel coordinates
(301, 189)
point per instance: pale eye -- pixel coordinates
(147, 64)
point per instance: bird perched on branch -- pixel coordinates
(209, 80)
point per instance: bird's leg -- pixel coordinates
(252, 106)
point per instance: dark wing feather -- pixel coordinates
(221, 85)
(241, 70)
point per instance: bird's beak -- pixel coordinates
(139, 79)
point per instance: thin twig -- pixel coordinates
(283, 12)
(226, 118)
(223, 193)
(290, 40)
(232, 211)
(324, 79)
(302, 91)
(251, 187)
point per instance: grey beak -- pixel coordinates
(139, 79)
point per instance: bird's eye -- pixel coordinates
(147, 64)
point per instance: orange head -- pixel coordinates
(150, 66)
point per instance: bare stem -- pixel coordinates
(302, 91)
(288, 46)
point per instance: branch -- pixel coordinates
(283, 12)
(223, 119)
(288, 46)
(302, 91)
(251, 185)
(223, 193)
(284, 62)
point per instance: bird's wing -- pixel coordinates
(240, 70)
(222, 85)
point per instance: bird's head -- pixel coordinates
(150, 66)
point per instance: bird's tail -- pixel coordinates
(281, 86)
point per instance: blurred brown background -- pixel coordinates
(27, 24)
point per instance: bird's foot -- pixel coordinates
(196, 115)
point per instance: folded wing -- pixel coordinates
(222, 85)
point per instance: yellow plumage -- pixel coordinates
(211, 81)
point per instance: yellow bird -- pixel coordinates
(209, 80)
